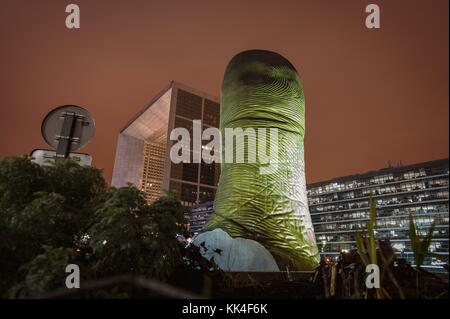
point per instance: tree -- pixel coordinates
(167, 215)
(44, 272)
(63, 213)
(129, 236)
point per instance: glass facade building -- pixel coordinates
(340, 207)
(199, 216)
(143, 148)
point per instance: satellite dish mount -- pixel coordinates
(67, 128)
(67, 138)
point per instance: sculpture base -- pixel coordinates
(234, 254)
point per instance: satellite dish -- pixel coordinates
(67, 128)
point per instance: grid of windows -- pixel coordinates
(189, 105)
(199, 216)
(361, 182)
(187, 193)
(143, 147)
(340, 207)
(393, 199)
(152, 170)
(194, 182)
(206, 194)
(209, 174)
(211, 113)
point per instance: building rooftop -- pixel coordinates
(151, 122)
(388, 170)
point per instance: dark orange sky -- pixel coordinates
(371, 95)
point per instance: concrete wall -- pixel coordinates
(128, 161)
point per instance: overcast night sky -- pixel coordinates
(371, 95)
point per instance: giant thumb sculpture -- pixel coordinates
(265, 200)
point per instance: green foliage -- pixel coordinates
(63, 213)
(41, 206)
(369, 249)
(373, 251)
(118, 232)
(128, 236)
(19, 180)
(44, 272)
(420, 246)
(167, 215)
(371, 228)
(40, 217)
(370, 242)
